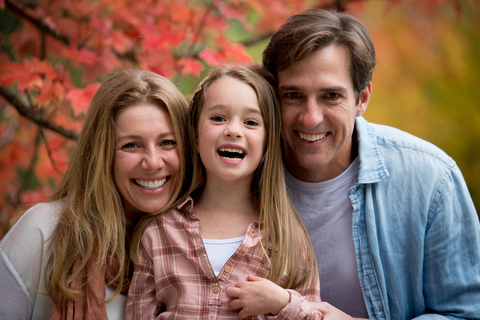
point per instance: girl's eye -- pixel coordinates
(251, 123)
(217, 118)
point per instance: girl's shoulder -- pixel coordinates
(179, 215)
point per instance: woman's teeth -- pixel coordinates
(150, 184)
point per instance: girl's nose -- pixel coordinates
(233, 130)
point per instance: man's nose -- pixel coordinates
(311, 115)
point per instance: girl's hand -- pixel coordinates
(257, 296)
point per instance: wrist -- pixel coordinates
(283, 300)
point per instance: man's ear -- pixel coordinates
(363, 99)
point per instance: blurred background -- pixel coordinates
(54, 54)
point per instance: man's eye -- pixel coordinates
(292, 95)
(217, 118)
(332, 95)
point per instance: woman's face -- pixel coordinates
(146, 163)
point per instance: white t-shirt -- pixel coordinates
(326, 212)
(220, 250)
(22, 266)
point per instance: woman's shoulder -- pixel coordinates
(36, 224)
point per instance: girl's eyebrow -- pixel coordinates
(221, 106)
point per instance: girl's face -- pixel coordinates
(146, 163)
(231, 132)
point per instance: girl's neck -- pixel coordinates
(225, 210)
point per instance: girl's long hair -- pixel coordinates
(92, 225)
(283, 231)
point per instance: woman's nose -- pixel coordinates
(153, 160)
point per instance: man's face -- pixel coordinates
(318, 114)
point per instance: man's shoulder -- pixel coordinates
(391, 142)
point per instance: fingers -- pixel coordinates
(320, 306)
(235, 304)
(251, 277)
(233, 292)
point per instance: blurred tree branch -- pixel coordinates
(34, 115)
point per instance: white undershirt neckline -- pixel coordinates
(220, 250)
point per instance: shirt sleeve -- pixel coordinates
(14, 298)
(22, 263)
(141, 301)
(452, 252)
(299, 306)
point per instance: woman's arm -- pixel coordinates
(23, 258)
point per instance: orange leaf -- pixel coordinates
(81, 98)
(212, 57)
(179, 12)
(83, 57)
(22, 75)
(45, 93)
(191, 66)
(236, 52)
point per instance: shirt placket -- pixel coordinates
(366, 271)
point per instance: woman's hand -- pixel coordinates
(257, 296)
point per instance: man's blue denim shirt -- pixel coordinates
(415, 229)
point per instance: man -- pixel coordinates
(395, 231)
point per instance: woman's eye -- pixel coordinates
(168, 143)
(130, 145)
(217, 118)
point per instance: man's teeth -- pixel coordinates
(231, 154)
(151, 185)
(311, 137)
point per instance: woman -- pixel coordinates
(66, 257)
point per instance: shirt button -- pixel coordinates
(252, 229)
(215, 290)
(227, 269)
(244, 248)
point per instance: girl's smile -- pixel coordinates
(231, 131)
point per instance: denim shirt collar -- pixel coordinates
(372, 167)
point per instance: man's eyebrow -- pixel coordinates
(289, 87)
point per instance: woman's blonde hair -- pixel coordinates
(283, 231)
(92, 224)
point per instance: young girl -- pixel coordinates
(241, 250)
